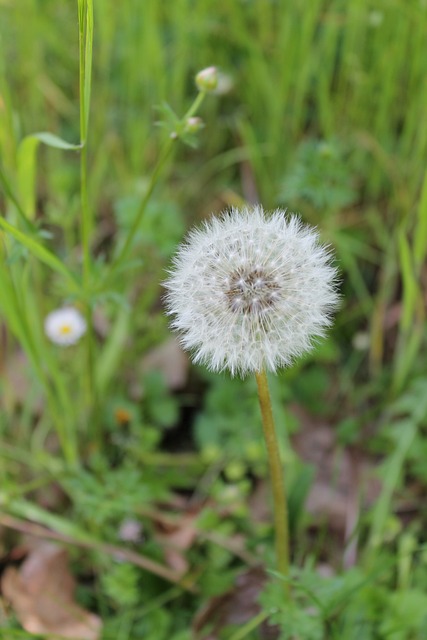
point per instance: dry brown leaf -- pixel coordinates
(17, 383)
(41, 594)
(171, 361)
(340, 473)
(176, 539)
(259, 502)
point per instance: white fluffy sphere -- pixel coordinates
(250, 291)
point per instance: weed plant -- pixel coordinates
(324, 114)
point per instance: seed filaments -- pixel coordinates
(251, 291)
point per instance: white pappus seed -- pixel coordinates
(270, 284)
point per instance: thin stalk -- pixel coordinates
(281, 519)
(85, 10)
(92, 399)
(254, 623)
(167, 149)
(85, 64)
(195, 106)
(164, 156)
(86, 223)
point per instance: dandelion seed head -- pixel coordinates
(249, 290)
(65, 326)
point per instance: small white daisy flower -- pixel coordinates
(250, 291)
(65, 326)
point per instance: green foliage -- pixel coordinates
(186, 130)
(222, 418)
(120, 584)
(408, 413)
(324, 114)
(150, 622)
(349, 606)
(320, 175)
(106, 496)
(219, 427)
(160, 408)
(405, 616)
(161, 228)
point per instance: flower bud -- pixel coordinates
(193, 125)
(207, 79)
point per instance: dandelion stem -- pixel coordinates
(281, 520)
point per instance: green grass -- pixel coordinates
(326, 115)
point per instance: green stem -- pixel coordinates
(85, 34)
(167, 149)
(281, 520)
(92, 395)
(255, 622)
(195, 106)
(86, 222)
(85, 10)
(164, 156)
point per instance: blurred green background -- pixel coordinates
(321, 109)
(324, 114)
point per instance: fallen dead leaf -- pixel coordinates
(41, 593)
(259, 502)
(334, 494)
(171, 361)
(176, 539)
(17, 384)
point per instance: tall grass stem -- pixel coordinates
(85, 11)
